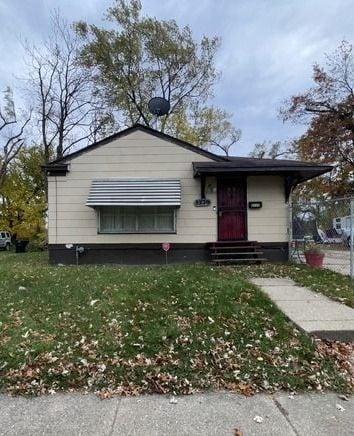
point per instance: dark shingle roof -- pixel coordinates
(258, 162)
(146, 129)
(218, 164)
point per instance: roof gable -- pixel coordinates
(129, 130)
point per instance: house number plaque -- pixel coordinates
(202, 202)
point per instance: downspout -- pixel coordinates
(289, 185)
(290, 226)
(56, 211)
(78, 251)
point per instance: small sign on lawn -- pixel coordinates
(166, 248)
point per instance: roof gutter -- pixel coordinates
(56, 169)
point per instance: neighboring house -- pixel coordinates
(118, 200)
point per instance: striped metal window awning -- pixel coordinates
(135, 192)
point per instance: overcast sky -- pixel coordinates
(268, 47)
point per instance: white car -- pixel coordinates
(5, 240)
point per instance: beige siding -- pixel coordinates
(142, 155)
(135, 155)
(270, 223)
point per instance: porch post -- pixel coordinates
(202, 186)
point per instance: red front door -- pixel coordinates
(232, 209)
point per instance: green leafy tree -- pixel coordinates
(208, 127)
(139, 57)
(23, 197)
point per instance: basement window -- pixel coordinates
(137, 219)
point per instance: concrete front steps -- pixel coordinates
(235, 252)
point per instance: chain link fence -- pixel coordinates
(327, 225)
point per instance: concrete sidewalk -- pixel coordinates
(311, 311)
(204, 414)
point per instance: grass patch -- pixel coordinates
(131, 330)
(334, 285)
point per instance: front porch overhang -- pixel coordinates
(293, 172)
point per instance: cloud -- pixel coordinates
(268, 47)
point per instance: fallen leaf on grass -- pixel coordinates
(101, 368)
(242, 388)
(104, 395)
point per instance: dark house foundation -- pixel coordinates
(148, 254)
(275, 251)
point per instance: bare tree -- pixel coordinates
(11, 133)
(327, 108)
(68, 111)
(207, 127)
(274, 150)
(216, 129)
(225, 144)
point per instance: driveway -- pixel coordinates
(337, 261)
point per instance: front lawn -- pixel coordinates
(131, 330)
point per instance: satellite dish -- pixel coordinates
(159, 106)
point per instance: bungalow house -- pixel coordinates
(118, 200)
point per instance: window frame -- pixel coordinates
(146, 232)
